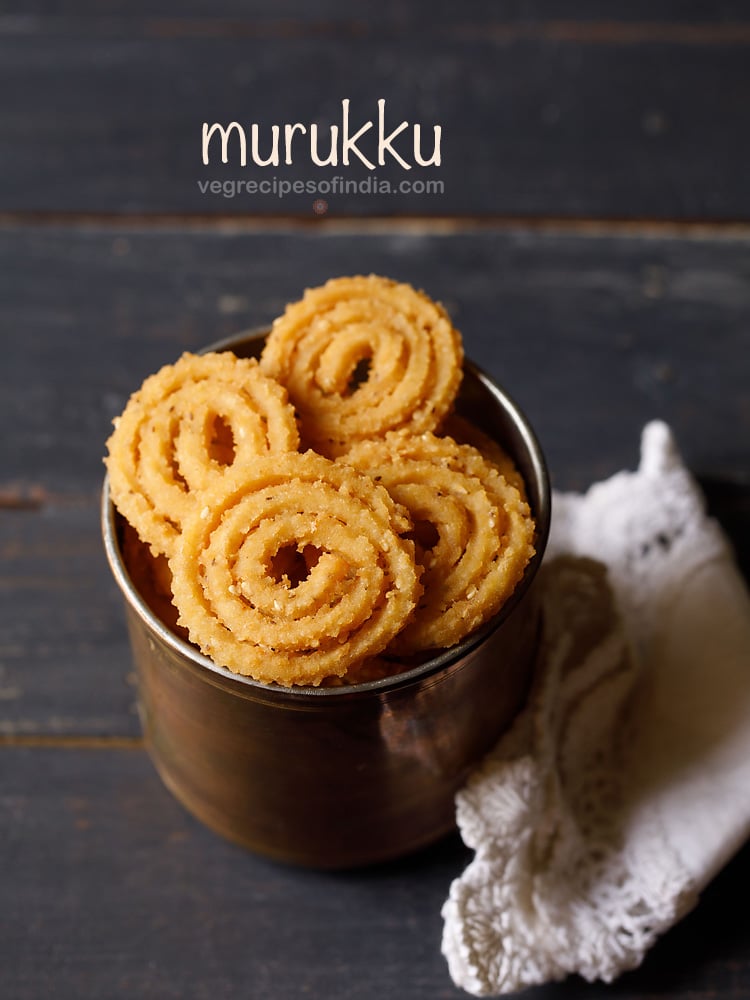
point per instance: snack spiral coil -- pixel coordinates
(294, 569)
(474, 532)
(183, 430)
(405, 340)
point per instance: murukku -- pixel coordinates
(473, 532)
(294, 569)
(183, 430)
(465, 432)
(362, 356)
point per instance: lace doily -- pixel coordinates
(621, 789)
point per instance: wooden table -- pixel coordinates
(593, 244)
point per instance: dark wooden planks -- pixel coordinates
(540, 117)
(593, 335)
(111, 889)
(374, 16)
(64, 658)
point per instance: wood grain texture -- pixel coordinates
(540, 116)
(592, 335)
(118, 893)
(64, 655)
(376, 15)
(112, 262)
(112, 890)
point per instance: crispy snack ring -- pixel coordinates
(474, 534)
(408, 343)
(294, 569)
(465, 432)
(183, 430)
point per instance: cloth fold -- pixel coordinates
(622, 788)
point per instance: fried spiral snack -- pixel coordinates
(465, 432)
(294, 569)
(407, 343)
(183, 430)
(474, 533)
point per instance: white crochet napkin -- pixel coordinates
(624, 785)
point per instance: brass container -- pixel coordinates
(337, 777)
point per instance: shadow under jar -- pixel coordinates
(336, 777)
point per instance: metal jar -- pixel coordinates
(335, 777)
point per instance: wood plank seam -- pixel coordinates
(576, 32)
(688, 229)
(40, 740)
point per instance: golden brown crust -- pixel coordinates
(183, 430)
(235, 595)
(477, 532)
(293, 568)
(465, 432)
(413, 354)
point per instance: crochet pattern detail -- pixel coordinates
(576, 816)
